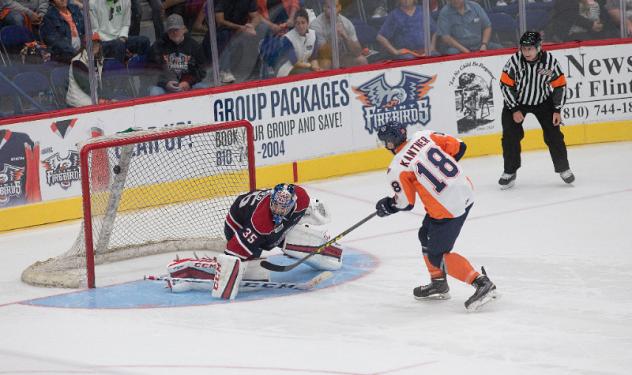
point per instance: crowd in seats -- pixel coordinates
(254, 39)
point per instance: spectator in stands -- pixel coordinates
(463, 27)
(192, 11)
(402, 34)
(375, 9)
(157, 15)
(350, 50)
(238, 36)
(135, 18)
(614, 10)
(62, 30)
(179, 57)
(576, 20)
(277, 15)
(111, 20)
(78, 94)
(14, 13)
(299, 49)
(38, 6)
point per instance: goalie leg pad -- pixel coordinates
(177, 285)
(230, 270)
(254, 271)
(329, 259)
(202, 268)
(304, 239)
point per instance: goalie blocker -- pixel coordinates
(227, 271)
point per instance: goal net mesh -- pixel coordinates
(153, 192)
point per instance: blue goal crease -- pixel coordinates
(153, 294)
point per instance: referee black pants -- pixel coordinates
(513, 133)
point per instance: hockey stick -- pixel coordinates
(251, 285)
(279, 268)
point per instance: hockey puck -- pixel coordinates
(116, 169)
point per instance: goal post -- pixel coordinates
(150, 192)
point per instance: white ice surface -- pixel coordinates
(560, 255)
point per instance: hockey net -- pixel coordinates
(151, 192)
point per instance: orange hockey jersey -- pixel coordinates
(426, 166)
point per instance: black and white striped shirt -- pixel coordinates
(526, 83)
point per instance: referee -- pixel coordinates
(532, 82)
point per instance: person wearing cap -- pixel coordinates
(78, 94)
(532, 81)
(62, 30)
(179, 59)
(111, 19)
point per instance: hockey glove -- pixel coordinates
(386, 206)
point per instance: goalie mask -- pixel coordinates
(392, 134)
(282, 202)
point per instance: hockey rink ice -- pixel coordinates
(560, 255)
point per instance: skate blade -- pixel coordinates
(508, 186)
(434, 297)
(489, 297)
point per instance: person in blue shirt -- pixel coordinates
(402, 34)
(463, 27)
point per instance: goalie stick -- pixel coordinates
(249, 285)
(279, 268)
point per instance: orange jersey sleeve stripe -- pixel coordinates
(447, 143)
(435, 209)
(408, 180)
(559, 81)
(504, 78)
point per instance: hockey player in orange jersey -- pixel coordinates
(427, 166)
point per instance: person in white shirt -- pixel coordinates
(299, 50)
(111, 20)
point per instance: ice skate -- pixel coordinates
(437, 289)
(485, 292)
(507, 180)
(567, 176)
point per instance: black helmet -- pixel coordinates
(392, 132)
(531, 38)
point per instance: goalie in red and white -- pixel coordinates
(284, 217)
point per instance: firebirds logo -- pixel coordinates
(10, 183)
(407, 102)
(62, 171)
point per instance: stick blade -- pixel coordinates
(275, 267)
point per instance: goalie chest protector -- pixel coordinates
(250, 213)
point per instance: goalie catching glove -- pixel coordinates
(316, 214)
